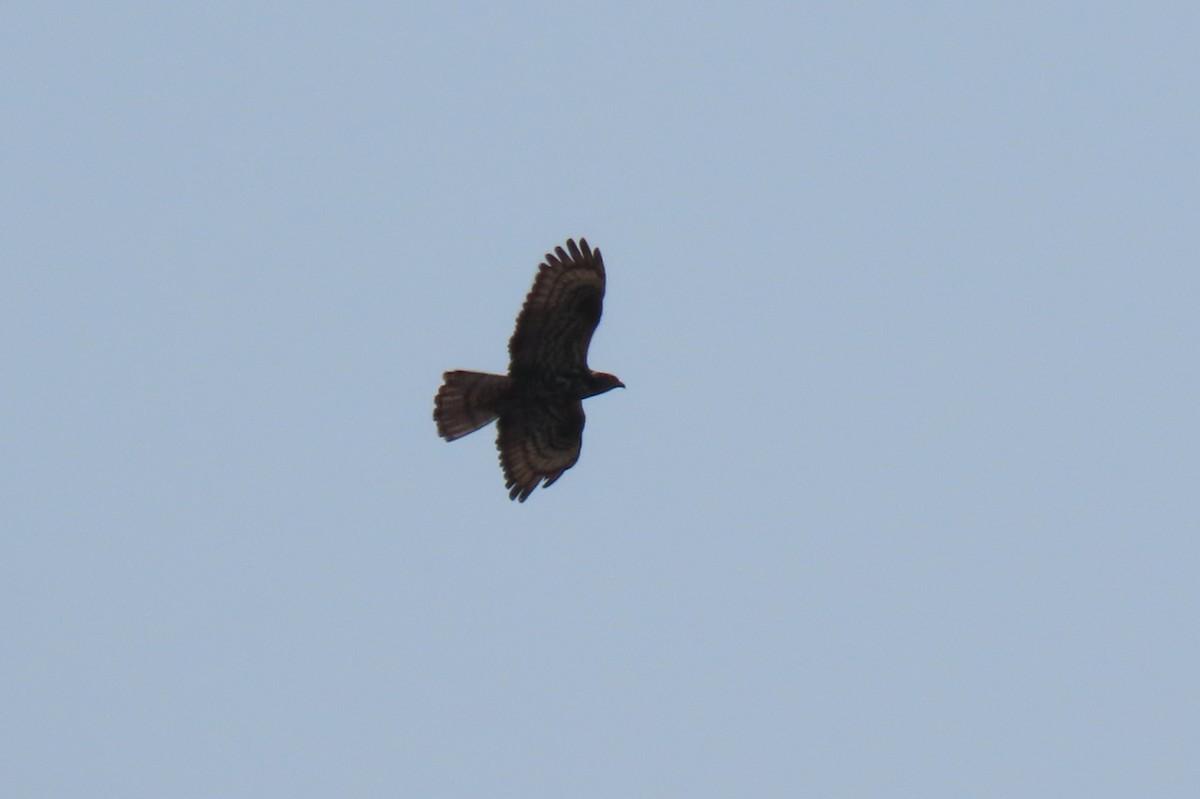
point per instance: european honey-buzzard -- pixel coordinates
(539, 402)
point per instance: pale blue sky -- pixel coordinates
(901, 500)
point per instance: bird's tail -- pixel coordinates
(467, 401)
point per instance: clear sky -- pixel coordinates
(901, 501)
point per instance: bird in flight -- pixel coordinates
(538, 405)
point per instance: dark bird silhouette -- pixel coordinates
(539, 403)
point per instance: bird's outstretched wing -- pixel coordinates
(538, 442)
(562, 310)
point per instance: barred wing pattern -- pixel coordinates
(560, 314)
(538, 442)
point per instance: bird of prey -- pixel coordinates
(538, 404)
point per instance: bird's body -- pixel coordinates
(538, 404)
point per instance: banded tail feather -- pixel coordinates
(467, 401)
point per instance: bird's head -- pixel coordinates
(603, 381)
